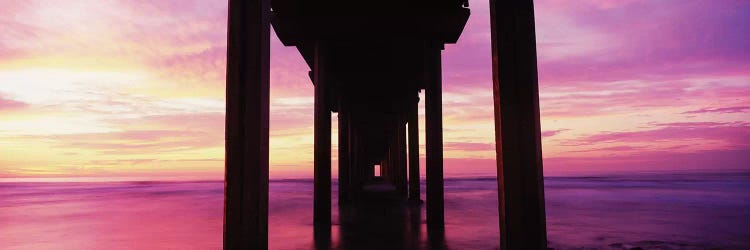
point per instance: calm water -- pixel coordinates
(649, 211)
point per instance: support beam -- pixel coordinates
(402, 168)
(246, 138)
(413, 128)
(351, 152)
(388, 161)
(368, 172)
(344, 163)
(384, 167)
(517, 129)
(356, 159)
(393, 160)
(322, 148)
(434, 139)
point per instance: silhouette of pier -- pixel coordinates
(369, 60)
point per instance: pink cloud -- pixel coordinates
(736, 134)
(648, 161)
(679, 40)
(628, 149)
(642, 161)
(7, 104)
(550, 133)
(14, 31)
(173, 133)
(207, 66)
(739, 109)
(628, 97)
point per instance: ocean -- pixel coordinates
(650, 211)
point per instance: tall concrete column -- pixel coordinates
(344, 159)
(322, 148)
(413, 132)
(356, 166)
(388, 162)
(384, 167)
(434, 139)
(402, 168)
(517, 129)
(246, 138)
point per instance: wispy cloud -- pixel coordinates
(739, 109)
(550, 133)
(735, 134)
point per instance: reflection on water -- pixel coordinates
(652, 212)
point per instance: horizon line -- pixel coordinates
(104, 179)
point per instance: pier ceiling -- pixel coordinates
(299, 21)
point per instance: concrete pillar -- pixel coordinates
(414, 184)
(517, 129)
(434, 139)
(356, 165)
(388, 162)
(322, 148)
(344, 162)
(394, 159)
(383, 167)
(246, 138)
(402, 168)
(362, 174)
(351, 155)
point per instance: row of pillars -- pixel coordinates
(517, 130)
(396, 166)
(354, 169)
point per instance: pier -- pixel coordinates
(369, 60)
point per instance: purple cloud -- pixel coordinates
(738, 109)
(550, 133)
(721, 160)
(680, 40)
(736, 134)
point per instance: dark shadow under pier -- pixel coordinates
(380, 218)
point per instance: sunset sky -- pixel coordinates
(135, 88)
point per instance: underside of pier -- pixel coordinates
(368, 63)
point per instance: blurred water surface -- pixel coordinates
(651, 211)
